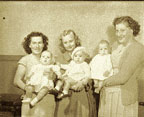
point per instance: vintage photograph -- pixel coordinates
(71, 59)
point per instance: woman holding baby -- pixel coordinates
(80, 103)
(34, 44)
(119, 96)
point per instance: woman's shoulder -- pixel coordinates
(136, 50)
(28, 56)
(28, 60)
(136, 46)
(25, 58)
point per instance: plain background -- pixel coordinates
(91, 20)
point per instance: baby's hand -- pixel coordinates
(106, 74)
(57, 63)
(64, 75)
(60, 77)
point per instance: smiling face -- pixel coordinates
(36, 45)
(79, 57)
(69, 42)
(103, 49)
(46, 58)
(124, 33)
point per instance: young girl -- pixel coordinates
(77, 70)
(101, 65)
(40, 78)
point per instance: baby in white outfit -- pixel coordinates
(76, 71)
(101, 65)
(40, 78)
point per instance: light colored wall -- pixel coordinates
(91, 20)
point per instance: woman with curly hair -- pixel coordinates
(80, 103)
(34, 44)
(119, 97)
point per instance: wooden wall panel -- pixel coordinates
(8, 65)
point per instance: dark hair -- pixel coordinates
(131, 23)
(27, 41)
(65, 33)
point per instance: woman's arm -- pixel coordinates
(56, 70)
(128, 67)
(19, 76)
(64, 66)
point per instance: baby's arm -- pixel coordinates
(56, 70)
(66, 73)
(64, 66)
(31, 73)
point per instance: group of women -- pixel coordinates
(119, 95)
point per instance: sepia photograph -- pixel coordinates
(71, 58)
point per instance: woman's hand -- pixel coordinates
(107, 82)
(106, 74)
(29, 88)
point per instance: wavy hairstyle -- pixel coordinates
(130, 21)
(27, 41)
(65, 33)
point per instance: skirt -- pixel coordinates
(75, 106)
(44, 108)
(111, 104)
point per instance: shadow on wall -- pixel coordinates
(111, 38)
(111, 34)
